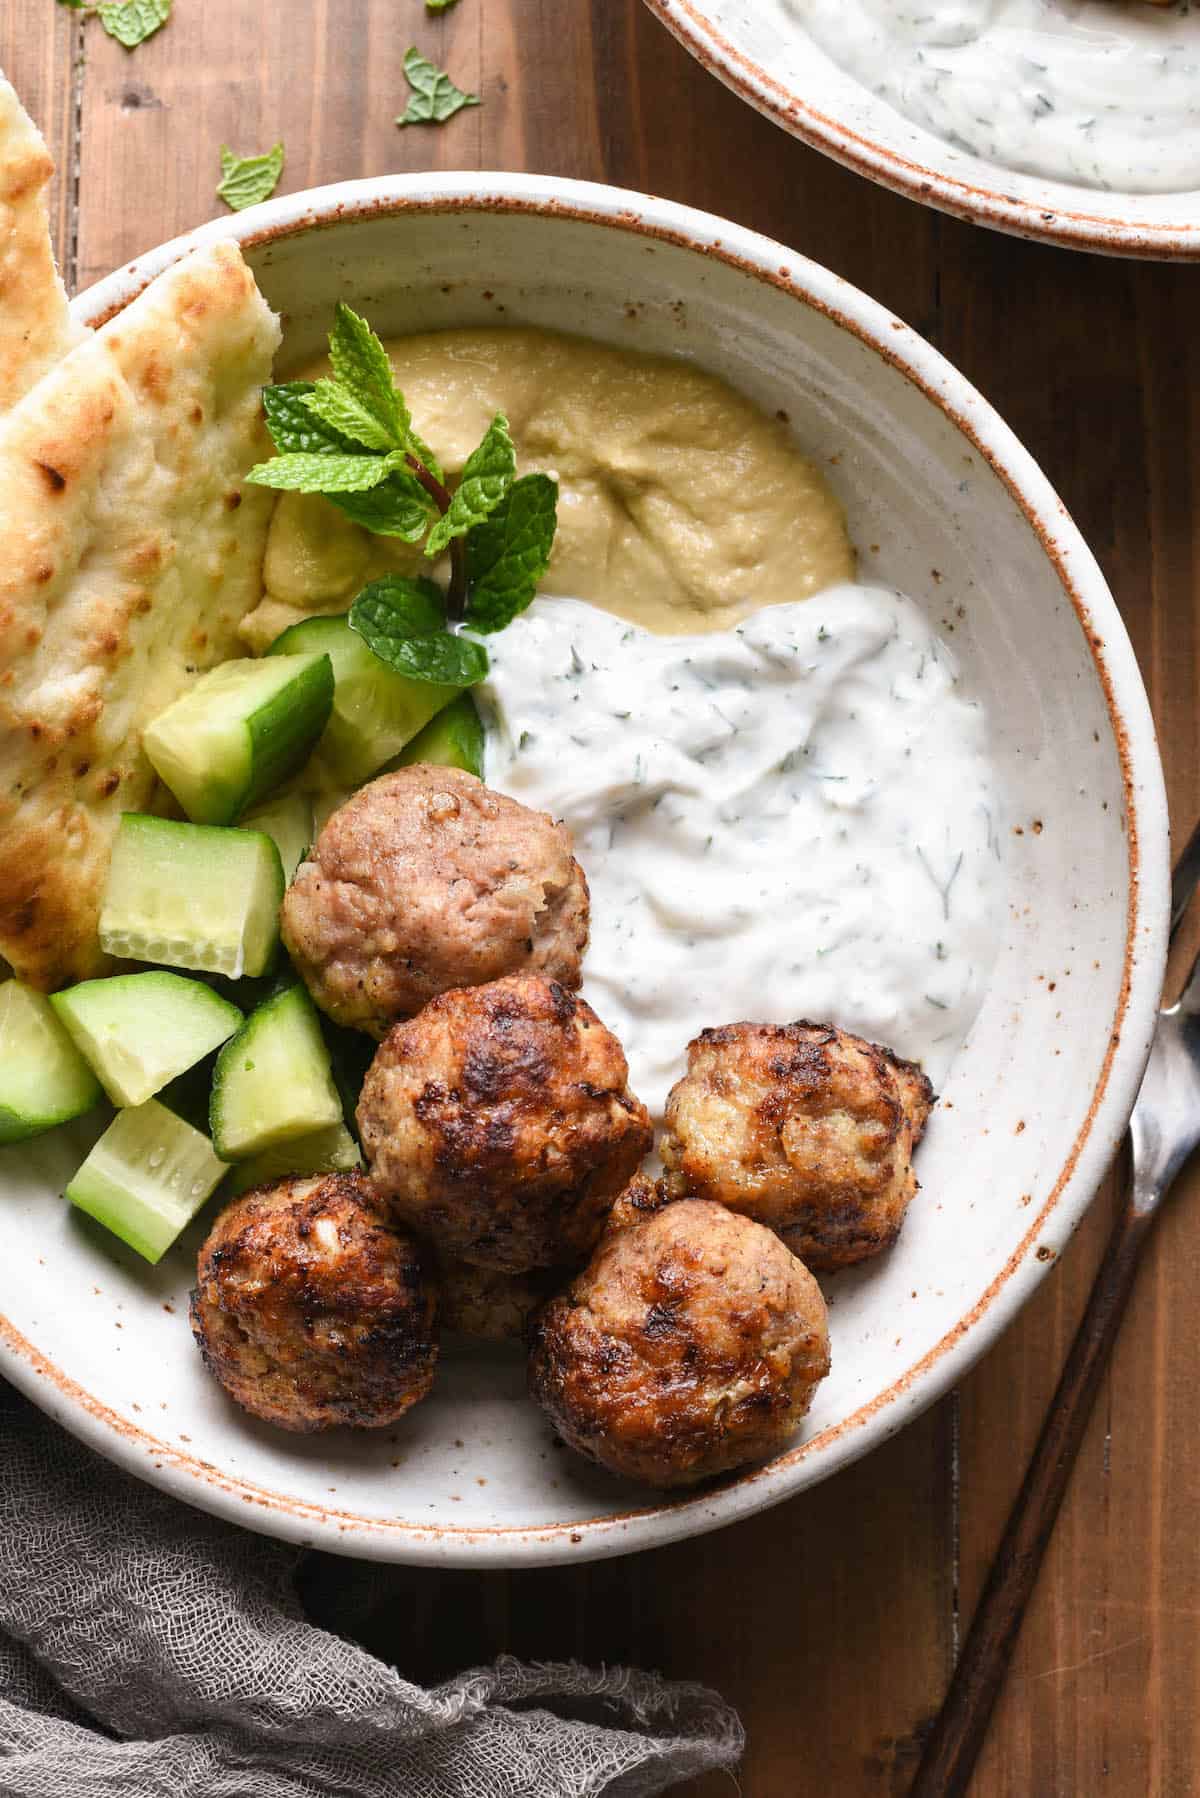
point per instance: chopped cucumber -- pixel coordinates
(147, 1177)
(289, 824)
(44, 1080)
(192, 896)
(454, 739)
(375, 711)
(140, 1030)
(273, 1080)
(329, 1151)
(240, 730)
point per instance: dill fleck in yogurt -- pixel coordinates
(1102, 93)
(793, 818)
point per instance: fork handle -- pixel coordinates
(953, 1745)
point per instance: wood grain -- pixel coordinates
(831, 1620)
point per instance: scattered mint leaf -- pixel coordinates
(247, 180)
(398, 507)
(400, 607)
(430, 5)
(322, 473)
(508, 554)
(434, 98)
(297, 431)
(401, 621)
(76, 5)
(131, 22)
(360, 363)
(339, 408)
(486, 477)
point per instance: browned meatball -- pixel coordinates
(804, 1127)
(312, 1309)
(427, 880)
(692, 1343)
(491, 1303)
(499, 1123)
(641, 1198)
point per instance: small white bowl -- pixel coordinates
(944, 502)
(787, 76)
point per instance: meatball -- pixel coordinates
(804, 1127)
(426, 880)
(691, 1344)
(499, 1124)
(641, 1198)
(490, 1303)
(312, 1309)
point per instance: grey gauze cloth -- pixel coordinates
(149, 1651)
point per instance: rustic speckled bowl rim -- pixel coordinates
(1083, 224)
(280, 1514)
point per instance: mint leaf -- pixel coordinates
(398, 507)
(297, 431)
(398, 606)
(360, 364)
(430, 5)
(434, 98)
(131, 22)
(322, 473)
(508, 554)
(338, 407)
(246, 180)
(402, 622)
(486, 477)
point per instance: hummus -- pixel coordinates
(682, 506)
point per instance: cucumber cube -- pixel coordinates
(44, 1080)
(147, 1177)
(273, 1080)
(454, 739)
(138, 1031)
(328, 1151)
(192, 896)
(289, 824)
(239, 731)
(375, 710)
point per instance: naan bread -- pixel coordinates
(129, 550)
(36, 330)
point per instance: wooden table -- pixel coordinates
(831, 1621)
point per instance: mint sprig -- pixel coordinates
(350, 437)
(434, 98)
(248, 180)
(403, 622)
(509, 553)
(486, 477)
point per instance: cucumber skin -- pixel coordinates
(81, 1020)
(273, 757)
(345, 746)
(294, 1010)
(329, 1151)
(73, 1087)
(454, 738)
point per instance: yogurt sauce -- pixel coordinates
(1104, 93)
(794, 818)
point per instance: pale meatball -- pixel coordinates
(500, 1124)
(803, 1127)
(426, 880)
(691, 1344)
(312, 1309)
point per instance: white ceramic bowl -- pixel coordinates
(942, 501)
(786, 75)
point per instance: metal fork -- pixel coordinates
(1163, 1131)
